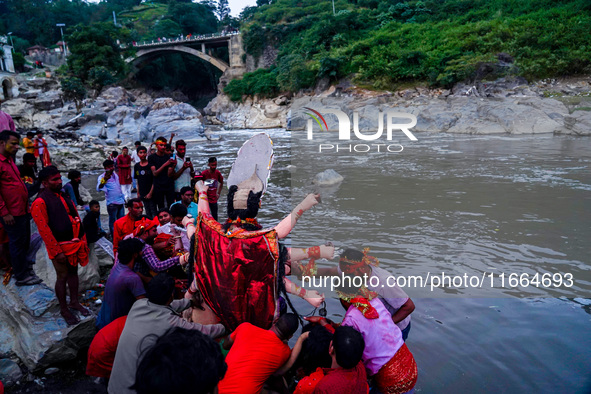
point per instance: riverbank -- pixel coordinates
(117, 117)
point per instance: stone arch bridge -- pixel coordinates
(195, 46)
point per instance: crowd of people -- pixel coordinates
(192, 303)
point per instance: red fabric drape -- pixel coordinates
(237, 273)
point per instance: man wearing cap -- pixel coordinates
(146, 231)
(61, 229)
(14, 210)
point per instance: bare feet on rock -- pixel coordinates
(69, 317)
(78, 307)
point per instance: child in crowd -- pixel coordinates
(92, 223)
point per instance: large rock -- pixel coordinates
(91, 115)
(578, 123)
(44, 84)
(48, 100)
(452, 114)
(251, 114)
(21, 111)
(168, 116)
(33, 333)
(115, 95)
(10, 372)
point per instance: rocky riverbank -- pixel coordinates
(507, 106)
(116, 117)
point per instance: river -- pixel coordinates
(458, 204)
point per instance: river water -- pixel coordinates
(457, 204)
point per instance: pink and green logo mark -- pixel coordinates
(316, 118)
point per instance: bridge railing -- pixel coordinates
(170, 41)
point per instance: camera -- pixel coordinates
(187, 158)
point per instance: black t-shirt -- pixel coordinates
(144, 178)
(161, 181)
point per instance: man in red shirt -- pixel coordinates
(101, 353)
(347, 374)
(14, 210)
(125, 225)
(124, 165)
(62, 231)
(215, 188)
(255, 354)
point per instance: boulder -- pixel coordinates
(327, 178)
(21, 111)
(33, 333)
(10, 372)
(92, 115)
(44, 84)
(115, 95)
(48, 100)
(92, 129)
(117, 115)
(578, 123)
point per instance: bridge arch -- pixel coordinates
(144, 54)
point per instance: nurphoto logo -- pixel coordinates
(393, 124)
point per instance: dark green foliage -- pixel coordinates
(193, 17)
(95, 45)
(165, 28)
(384, 43)
(293, 73)
(262, 82)
(73, 90)
(100, 76)
(174, 71)
(19, 61)
(253, 40)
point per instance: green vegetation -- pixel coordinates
(73, 89)
(384, 44)
(95, 56)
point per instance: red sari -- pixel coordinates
(237, 273)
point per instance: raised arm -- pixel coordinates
(286, 225)
(203, 203)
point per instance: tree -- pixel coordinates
(95, 45)
(73, 90)
(194, 18)
(223, 9)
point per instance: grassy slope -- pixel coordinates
(143, 16)
(384, 44)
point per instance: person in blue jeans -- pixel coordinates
(108, 182)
